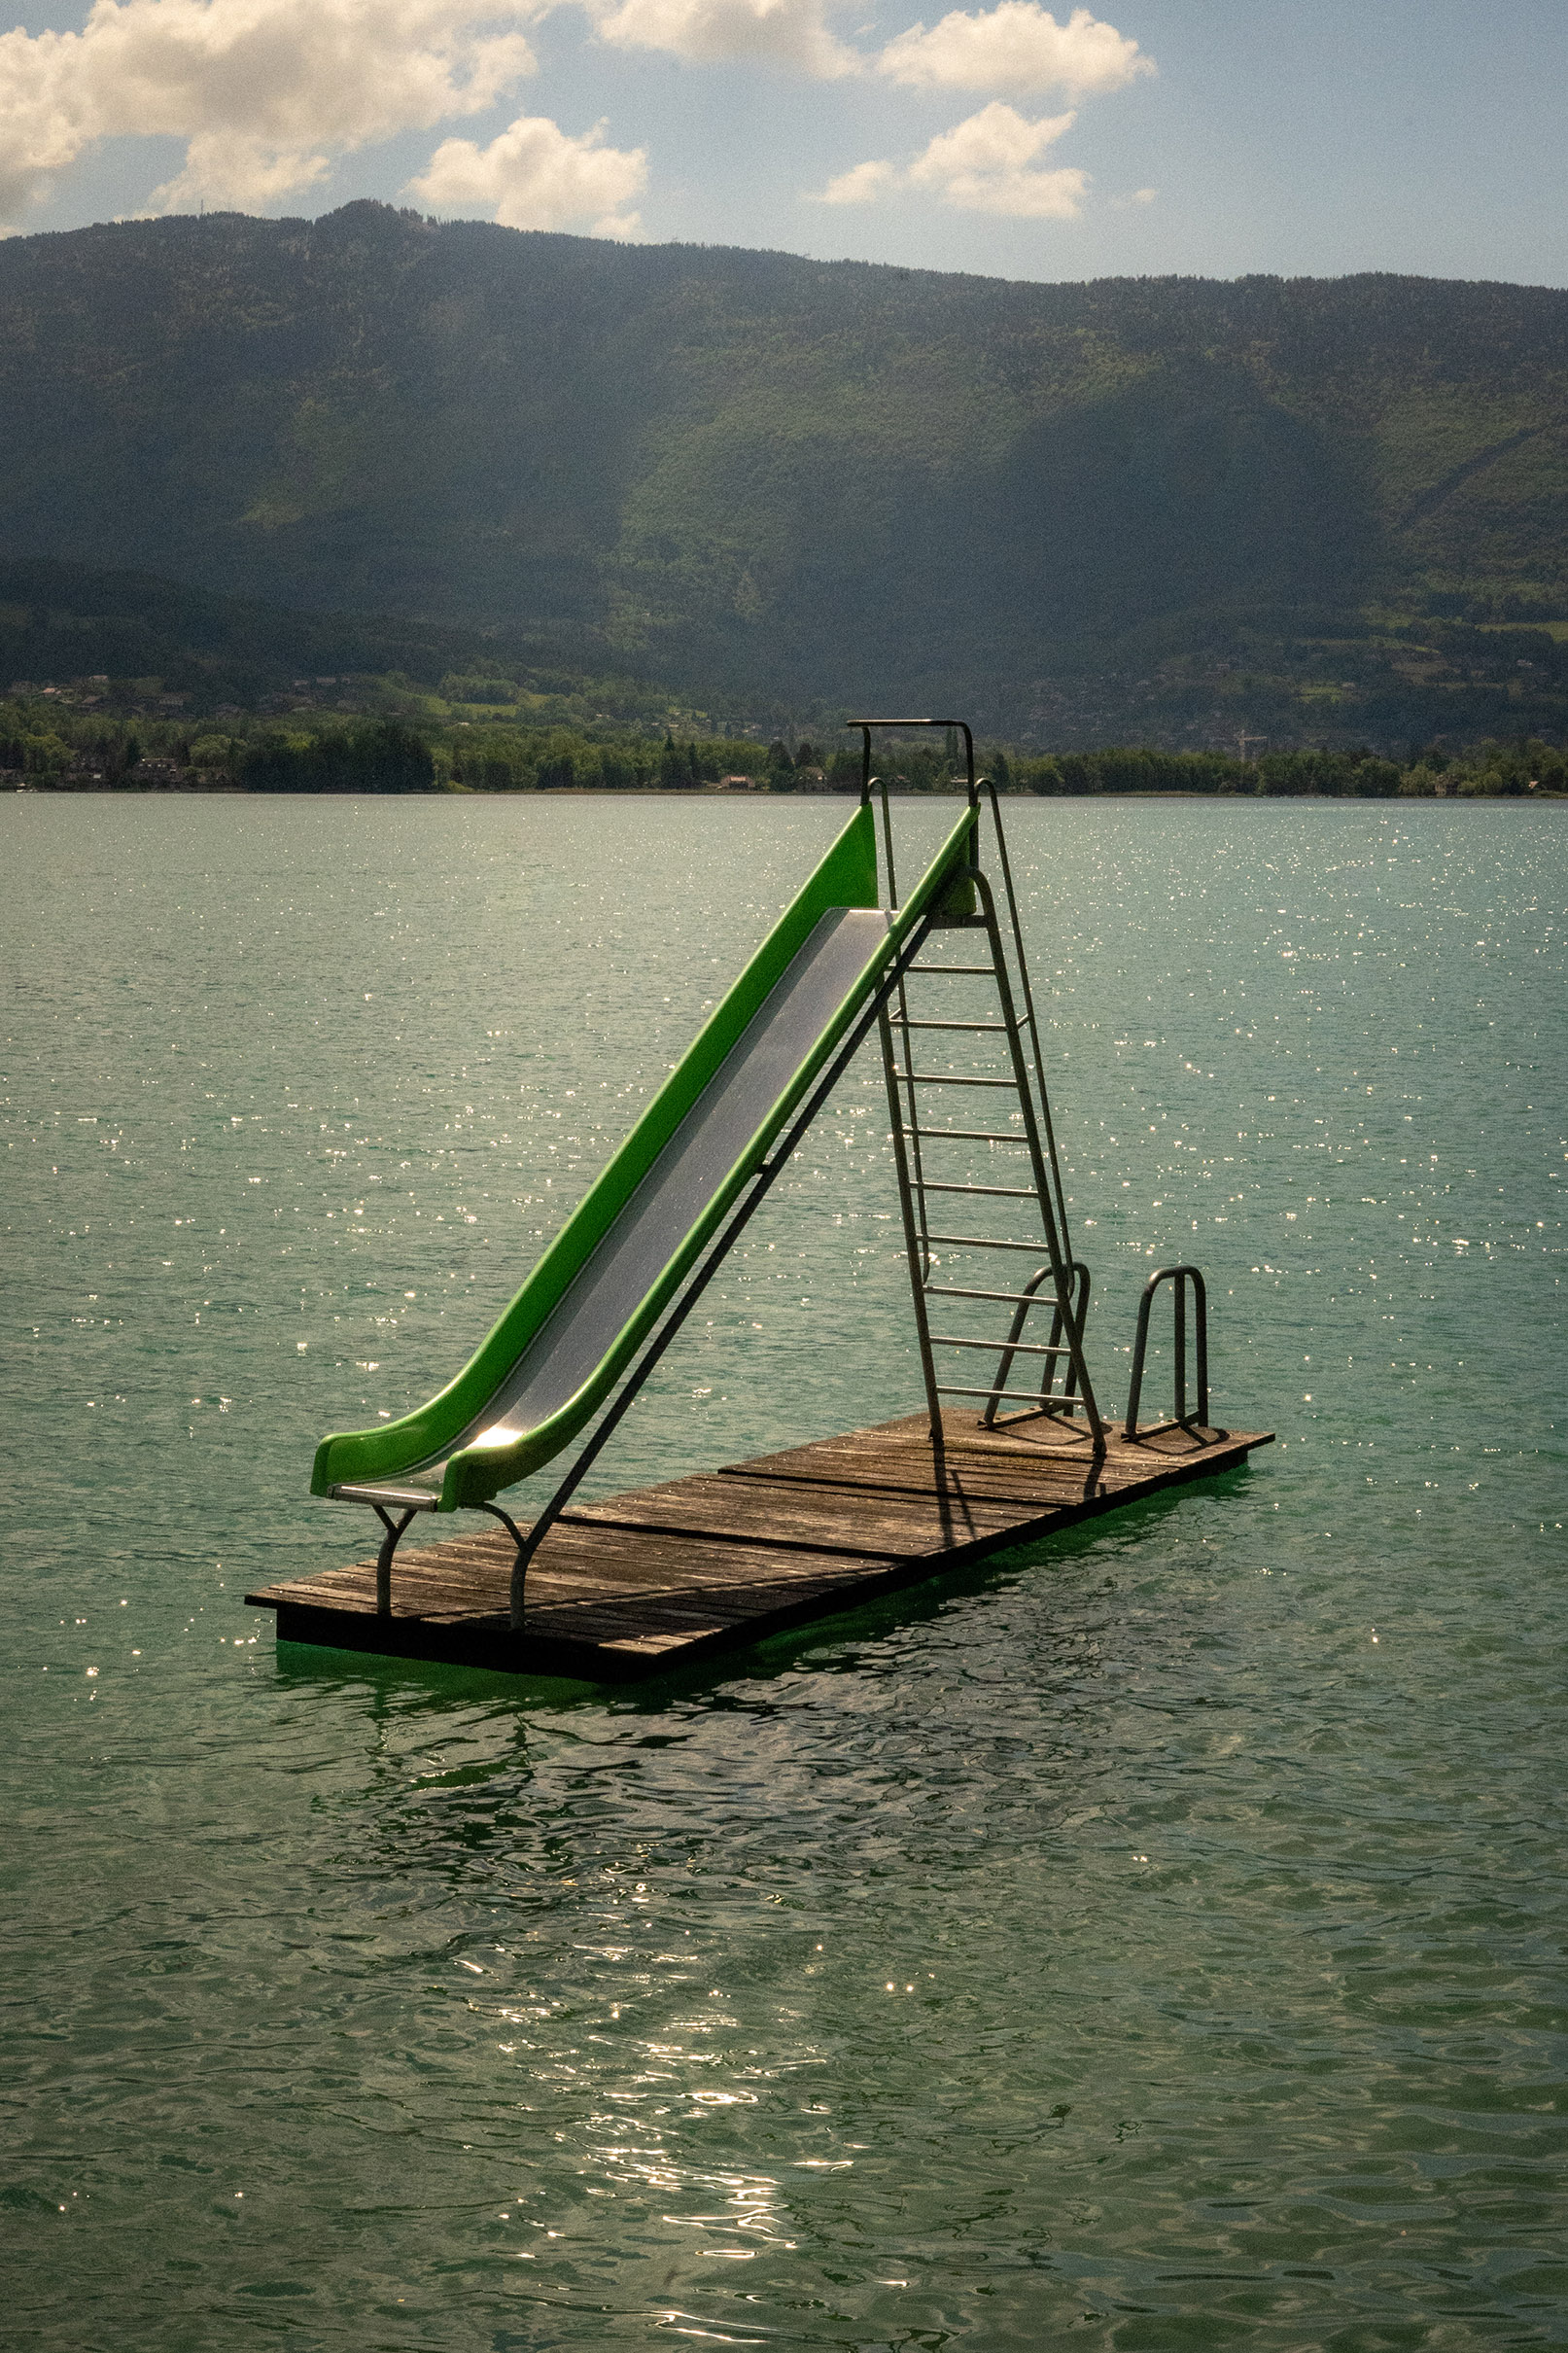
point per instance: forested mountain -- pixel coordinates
(756, 475)
(141, 635)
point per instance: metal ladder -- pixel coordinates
(914, 1020)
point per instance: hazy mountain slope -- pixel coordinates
(60, 622)
(771, 474)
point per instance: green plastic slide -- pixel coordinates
(622, 1256)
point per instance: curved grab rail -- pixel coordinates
(1066, 1398)
(1179, 1277)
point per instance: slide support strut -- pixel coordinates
(395, 1529)
(675, 1315)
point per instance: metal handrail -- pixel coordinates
(1078, 1283)
(1179, 1277)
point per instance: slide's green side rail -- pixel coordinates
(847, 877)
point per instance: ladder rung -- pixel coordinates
(949, 1078)
(970, 971)
(999, 1348)
(1019, 1396)
(985, 1242)
(999, 1192)
(952, 1290)
(900, 1024)
(966, 1135)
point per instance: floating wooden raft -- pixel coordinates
(644, 1582)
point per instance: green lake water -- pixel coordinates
(1154, 1940)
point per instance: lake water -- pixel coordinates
(1152, 1941)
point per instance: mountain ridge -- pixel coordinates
(761, 476)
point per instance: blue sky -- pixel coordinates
(1195, 136)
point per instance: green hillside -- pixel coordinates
(1158, 507)
(146, 641)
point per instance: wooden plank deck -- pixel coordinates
(647, 1581)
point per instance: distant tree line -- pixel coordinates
(43, 742)
(514, 760)
(382, 756)
(1492, 769)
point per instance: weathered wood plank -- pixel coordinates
(667, 1573)
(865, 1524)
(981, 1469)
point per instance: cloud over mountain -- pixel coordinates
(989, 164)
(265, 91)
(269, 96)
(535, 176)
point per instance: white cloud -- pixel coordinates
(535, 176)
(1017, 46)
(862, 186)
(992, 163)
(265, 91)
(710, 32)
(986, 165)
(1138, 196)
(226, 171)
(266, 94)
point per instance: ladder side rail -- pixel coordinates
(1059, 1265)
(1081, 1272)
(912, 1156)
(907, 1136)
(1028, 1007)
(880, 783)
(917, 1238)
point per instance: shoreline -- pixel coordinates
(706, 793)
